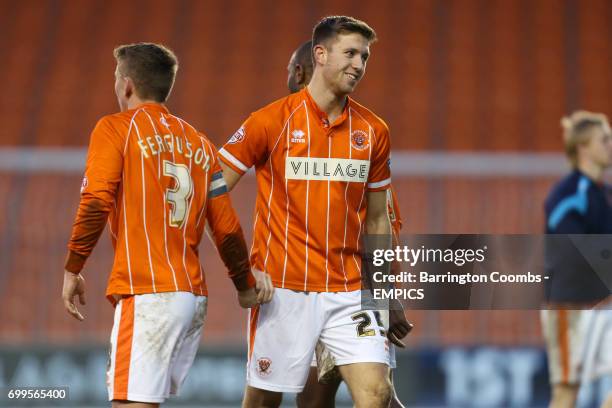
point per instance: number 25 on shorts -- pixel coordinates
(363, 327)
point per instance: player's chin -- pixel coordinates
(349, 86)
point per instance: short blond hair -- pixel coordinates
(576, 131)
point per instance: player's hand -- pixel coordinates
(263, 286)
(247, 298)
(399, 327)
(74, 285)
(261, 293)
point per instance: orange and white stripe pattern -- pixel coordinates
(156, 172)
(312, 179)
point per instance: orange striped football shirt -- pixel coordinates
(312, 179)
(159, 181)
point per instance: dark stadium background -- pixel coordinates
(472, 90)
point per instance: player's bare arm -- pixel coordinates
(377, 222)
(377, 216)
(399, 326)
(230, 175)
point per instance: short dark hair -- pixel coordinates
(329, 27)
(152, 67)
(303, 56)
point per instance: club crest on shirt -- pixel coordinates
(84, 184)
(359, 140)
(238, 136)
(297, 136)
(263, 366)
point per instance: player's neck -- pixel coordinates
(326, 100)
(135, 102)
(591, 170)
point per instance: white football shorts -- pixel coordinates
(153, 343)
(325, 362)
(597, 353)
(283, 335)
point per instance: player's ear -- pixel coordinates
(299, 74)
(319, 53)
(129, 87)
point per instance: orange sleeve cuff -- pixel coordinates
(74, 262)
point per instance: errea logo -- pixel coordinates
(297, 136)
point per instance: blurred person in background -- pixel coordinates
(299, 70)
(157, 181)
(324, 378)
(578, 204)
(311, 207)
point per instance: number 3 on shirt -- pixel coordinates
(178, 196)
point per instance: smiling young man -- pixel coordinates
(158, 182)
(321, 162)
(323, 378)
